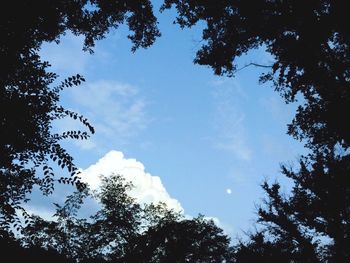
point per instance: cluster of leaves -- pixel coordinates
(125, 231)
(309, 42)
(29, 104)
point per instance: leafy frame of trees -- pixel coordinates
(310, 43)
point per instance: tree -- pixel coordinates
(260, 249)
(314, 217)
(188, 240)
(117, 222)
(28, 142)
(310, 45)
(125, 231)
(28, 101)
(102, 236)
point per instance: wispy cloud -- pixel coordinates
(116, 110)
(279, 110)
(228, 119)
(67, 57)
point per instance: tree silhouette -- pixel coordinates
(260, 249)
(189, 240)
(12, 251)
(315, 216)
(310, 47)
(125, 231)
(309, 43)
(29, 104)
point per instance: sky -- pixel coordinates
(199, 142)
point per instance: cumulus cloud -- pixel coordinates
(147, 188)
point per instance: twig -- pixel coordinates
(252, 64)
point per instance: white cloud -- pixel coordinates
(147, 188)
(229, 119)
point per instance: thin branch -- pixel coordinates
(252, 64)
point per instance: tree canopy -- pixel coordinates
(309, 43)
(125, 231)
(28, 99)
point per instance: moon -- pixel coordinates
(228, 191)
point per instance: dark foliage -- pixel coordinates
(28, 143)
(309, 42)
(12, 251)
(258, 249)
(314, 219)
(29, 103)
(124, 231)
(195, 240)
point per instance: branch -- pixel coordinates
(252, 64)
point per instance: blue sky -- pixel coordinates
(199, 133)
